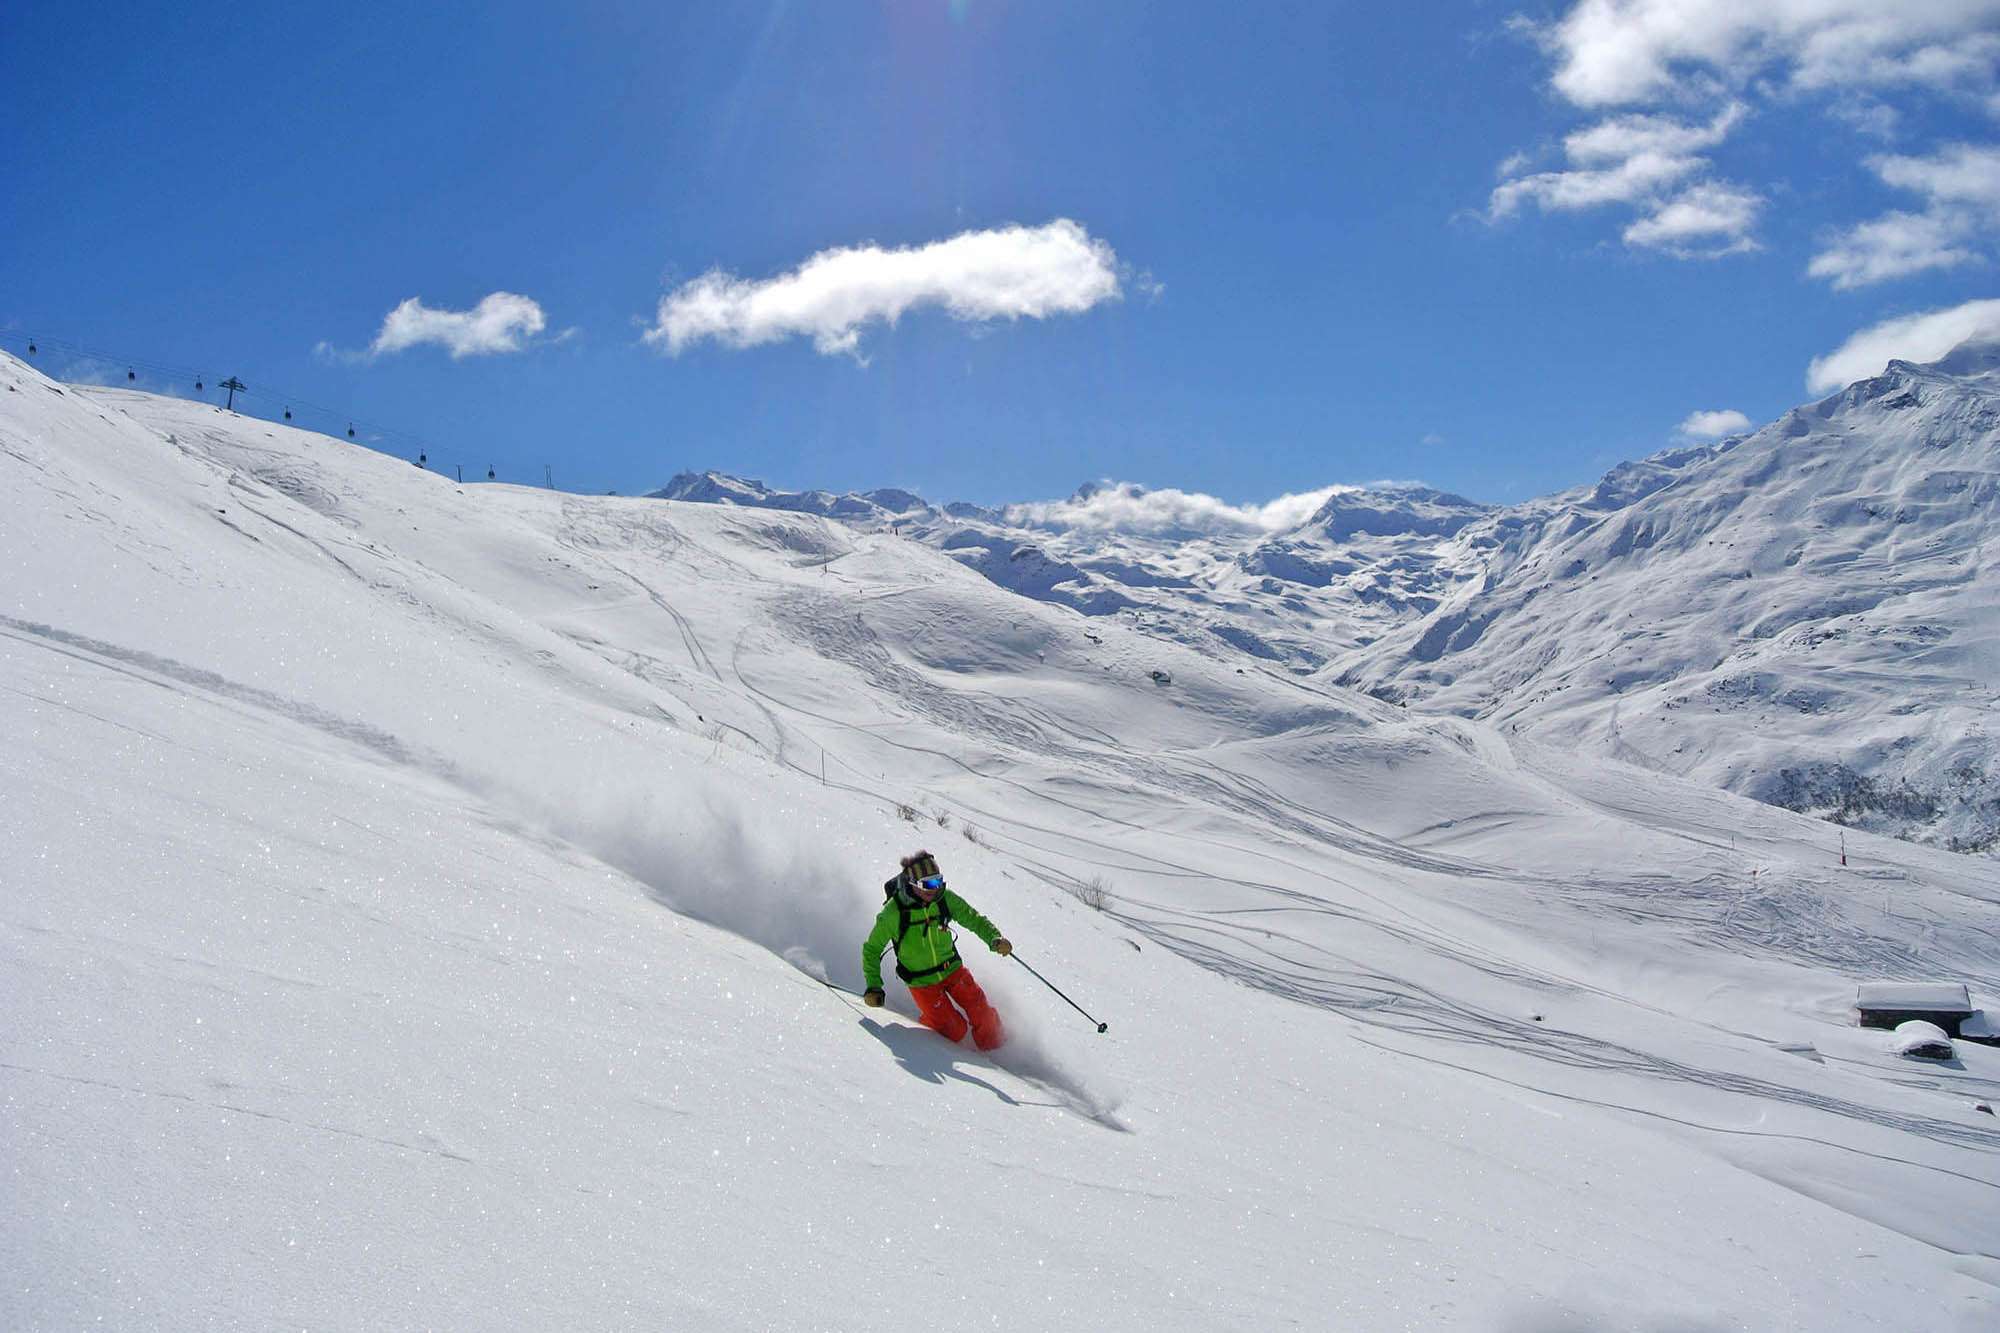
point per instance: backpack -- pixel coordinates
(903, 920)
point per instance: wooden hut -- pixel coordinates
(1886, 1004)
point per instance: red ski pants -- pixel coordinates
(935, 1004)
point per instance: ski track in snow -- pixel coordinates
(1788, 926)
(149, 667)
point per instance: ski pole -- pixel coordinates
(1052, 986)
(845, 994)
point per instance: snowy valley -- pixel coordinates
(419, 894)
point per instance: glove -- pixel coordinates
(872, 998)
(1001, 947)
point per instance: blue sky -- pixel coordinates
(1489, 247)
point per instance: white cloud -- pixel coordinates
(1961, 188)
(1647, 162)
(1005, 273)
(1634, 179)
(1624, 52)
(1623, 160)
(1624, 137)
(1962, 173)
(1921, 337)
(1889, 53)
(1892, 246)
(1704, 221)
(1713, 425)
(502, 322)
(1125, 507)
(1851, 56)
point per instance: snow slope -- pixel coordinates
(412, 890)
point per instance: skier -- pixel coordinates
(917, 919)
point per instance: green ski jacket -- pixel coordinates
(925, 953)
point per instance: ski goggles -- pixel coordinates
(930, 886)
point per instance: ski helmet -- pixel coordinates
(921, 873)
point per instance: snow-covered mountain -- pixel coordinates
(415, 892)
(1805, 615)
(1809, 615)
(1356, 564)
(716, 488)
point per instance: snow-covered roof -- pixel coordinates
(1920, 1038)
(1927, 996)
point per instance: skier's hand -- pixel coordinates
(872, 998)
(1001, 947)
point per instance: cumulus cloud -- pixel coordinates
(1122, 506)
(1623, 160)
(1621, 183)
(1925, 336)
(1894, 245)
(1004, 273)
(1624, 137)
(1713, 425)
(1625, 52)
(1961, 174)
(1648, 163)
(1852, 56)
(502, 322)
(1960, 186)
(1704, 221)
